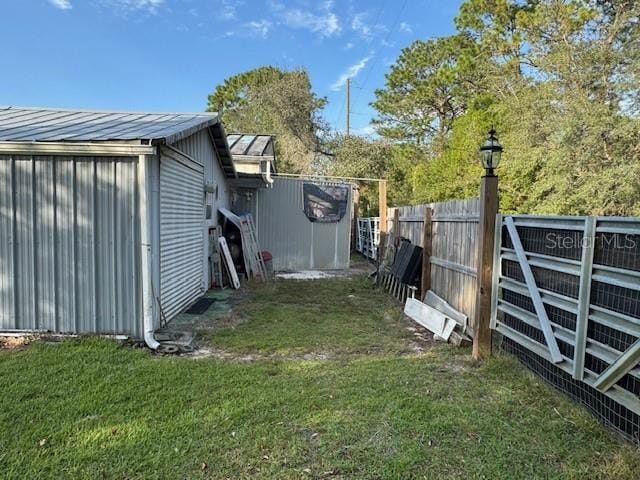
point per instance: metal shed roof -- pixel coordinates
(251, 145)
(71, 127)
(21, 124)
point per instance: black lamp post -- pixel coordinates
(490, 153)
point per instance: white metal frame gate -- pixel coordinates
(182, 217)
(368, 236)
(568, 290)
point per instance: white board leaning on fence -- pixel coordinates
(228, 261)
(429, 318)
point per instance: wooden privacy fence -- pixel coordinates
(566, 298)
(449, 230)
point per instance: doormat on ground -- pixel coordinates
(200, 306)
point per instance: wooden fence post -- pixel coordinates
(427, 231)
(382, 203)
(396, 226)
(356, 201)
(486, 234)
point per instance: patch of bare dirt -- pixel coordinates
(422, 338)
(15, 343)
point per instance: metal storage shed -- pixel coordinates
(283, 228)
(103, 217)
(296, 241)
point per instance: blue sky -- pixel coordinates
(168, 55)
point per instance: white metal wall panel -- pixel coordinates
(7, 287)
(200, 147)
(295, 242)
(24, 242)
(45, 246)
(69, 245)
(181, 233)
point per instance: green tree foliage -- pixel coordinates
(359, 157)
(559, 80)
(424, 92)
(274, 101)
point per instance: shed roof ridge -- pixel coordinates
(107, 111)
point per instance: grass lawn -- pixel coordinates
(332, 316)
(373, 410)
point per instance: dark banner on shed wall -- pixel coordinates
(325, 203)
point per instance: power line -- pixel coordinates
(348, 107)
(384, 45)
(377, 18)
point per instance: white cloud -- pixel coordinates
(327, 4)
(359, 24)
(259, 27)
(350, 72)
(366, 131)
(405, 27)
(275, 5)
(228, 9)
(348, 46)
(130, 6)
(326, 24)
(61, 4)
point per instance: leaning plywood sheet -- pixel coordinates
(228, 261)
(441, 305)
(430, 318)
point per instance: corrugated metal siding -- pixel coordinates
(295, 242)
(69, 245)
(200, 148)
(181, 234)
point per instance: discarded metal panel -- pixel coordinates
(430, 318)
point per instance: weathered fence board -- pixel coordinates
(453, 252)
(454, 264)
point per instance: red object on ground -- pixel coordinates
(266, 256)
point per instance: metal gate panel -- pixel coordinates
(574, 282)
(181, 233)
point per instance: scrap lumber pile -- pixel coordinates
(436, 315)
